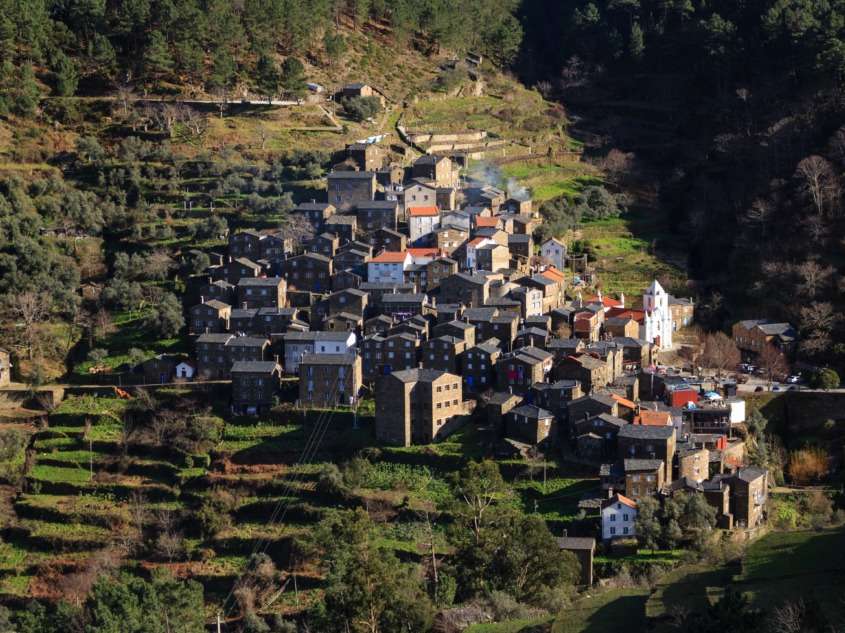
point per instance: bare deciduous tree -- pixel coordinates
(772, 363)
(296, 228)
(30, 309)
(813, 277)
(760, 213)
(720, 353)
(818, 179)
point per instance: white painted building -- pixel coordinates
(185, 371)
(422, 221)
(657, 322)
(472, 246)
(297, 344)
(618, 517)
(555, 251)
(389, 267)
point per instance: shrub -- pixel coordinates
(808, 464)
(362, 108)
(98, 355)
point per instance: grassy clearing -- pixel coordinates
(786, 565)
(604, 612)
(630, 252)
(547, 181)
(514, 626)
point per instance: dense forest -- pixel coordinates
(732, 113)
(215, 44)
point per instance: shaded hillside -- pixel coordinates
(733, 113)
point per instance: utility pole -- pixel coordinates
(544, 475)
(218, 622)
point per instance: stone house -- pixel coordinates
(591, 372)
(682, 310)
(420, 193)
(584, 549)
(443, 353)
(529, 423)
(354, 259)
(648, 442)
(556, 396)
(521, 249)
(449, 238)
(388, 240)
(255, 385)
(242, 320)
(378, 214)
(262, 292)
(586, 407)
(478, 366)
(520, 369)
(220, 290)
(325, 244)
(240, 268)
(310, 272)
(752, 336)
(347, 189)
(344, 226)
(418, 406)
(472, 290)
(621, 327)
(245, 244)
(378, 324)
(382, 355)
(358, 89)
(439, 269)
(274, 320)
(693, 463)
(458, 329)
(343, 322)
(587, 323)
(531, 336)
(326, 380)
(212, 358)
(492, 257)
(316, 213)
(211, 316)
(438, 169)
(366, 156)
(643, 477)
(404, 305)
(749, 493)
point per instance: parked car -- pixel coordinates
(793, 380)
(777, 388)
(758, 388)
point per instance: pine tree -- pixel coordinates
(157, 58)
(67, 76)
(222, 70)
(267, 77)
(636, 45)
(293, 77)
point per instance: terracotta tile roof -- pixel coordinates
(624, 401)
(618, 498)
(485, 221)
(390, 257)
(419, 212)
(424, 252)
(607, 302)
(476, 241)
(554, 274)
(654, 418)
(627, 313)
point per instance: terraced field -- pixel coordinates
(89, 495)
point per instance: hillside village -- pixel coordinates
(419, 291)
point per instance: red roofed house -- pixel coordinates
(422, 221)
(653, 418)
(423, 256)
(389, 267)
(483, 222)
(607, 302)
(618, 517)
(472, 246)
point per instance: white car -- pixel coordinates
(793, 380)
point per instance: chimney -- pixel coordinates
(202, 299)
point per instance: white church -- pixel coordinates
(657, 322)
